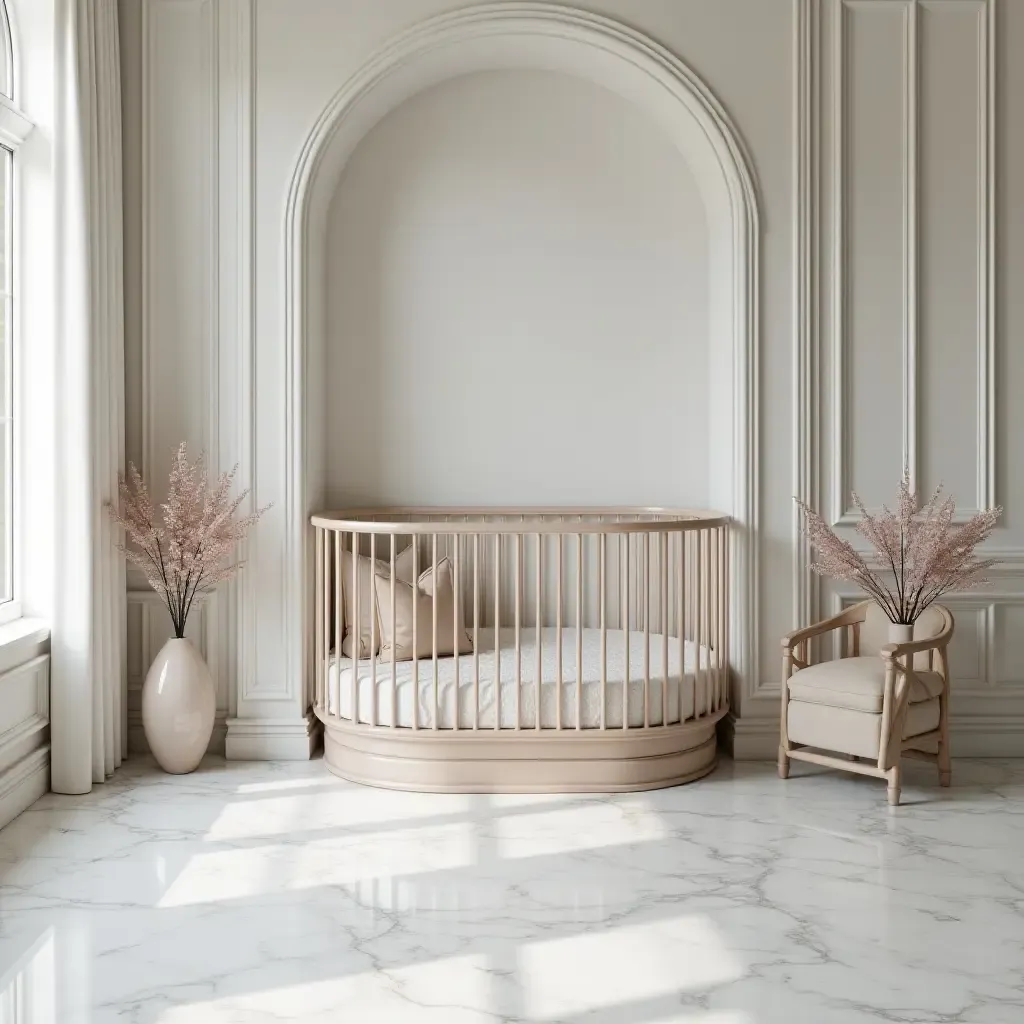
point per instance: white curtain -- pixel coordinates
(88, 689)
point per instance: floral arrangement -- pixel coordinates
(918, 556)
(186, 552)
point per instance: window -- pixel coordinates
(14, 128)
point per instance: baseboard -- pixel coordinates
(987, 736)
(757, 739)
(137, 744)
(749, 739)
(24, 783)
(267, 739)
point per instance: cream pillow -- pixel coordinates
(452, 637)
(367, 602)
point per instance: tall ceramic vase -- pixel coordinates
(178, 706)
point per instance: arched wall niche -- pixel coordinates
(546, 37)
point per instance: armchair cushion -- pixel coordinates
(857, 684)
(853, 732)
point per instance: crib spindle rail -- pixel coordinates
(542, 622)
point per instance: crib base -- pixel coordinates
(611, 761)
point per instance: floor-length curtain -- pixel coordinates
(88, 656)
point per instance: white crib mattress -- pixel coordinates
(681, 682)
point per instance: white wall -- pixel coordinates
(517, 291)
(887, 145)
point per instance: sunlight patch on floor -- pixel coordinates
(228, 874)
(319, 811)
(581, 974)
(567, 829)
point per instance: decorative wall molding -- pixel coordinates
(548, 36)
(237, 215)
(24, 783)
(757, 739)
(806, 293)
(25, 711)
(271, 739)
(987, 492)
(205, 364)
(842, 513)
(24, 735)
(154, 247)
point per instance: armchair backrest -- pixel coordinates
(874, 632)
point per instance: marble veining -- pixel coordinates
(273, 893)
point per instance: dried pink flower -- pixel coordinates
(188, 552)
(919, 554)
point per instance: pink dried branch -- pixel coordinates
(189, 548)
(918, 553)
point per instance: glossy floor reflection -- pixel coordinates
(262, 894)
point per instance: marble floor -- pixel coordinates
(272, 893)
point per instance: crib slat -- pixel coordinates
(318, 613)
(371, 601)
(356, 629)
(601, 576)
(709, 617)
(625, 628)
(579, 630)
(339, 626)
(394, 661)
(433, 614)
(476, 630)
(415, 633)
(647, 629)
(497, 631)
(725, 616)
(724, 621)
(681, 613)
(716, 646)
(664, 627)
(699, 592)
(558, 634)
(518, 601)
(538, 614)
(457, 589)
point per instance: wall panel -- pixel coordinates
(955, 197)
(902, 109)
(873, 165)
(169, 79)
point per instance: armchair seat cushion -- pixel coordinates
(856, 684)
(853, 732)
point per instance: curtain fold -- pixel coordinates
(88, 665)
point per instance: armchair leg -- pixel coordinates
(783, 763)
(893, 776)
(945, 766)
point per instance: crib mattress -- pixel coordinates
(498, 683)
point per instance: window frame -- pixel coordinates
(15, 128)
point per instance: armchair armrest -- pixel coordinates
(848, 616)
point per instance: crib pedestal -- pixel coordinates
(519, 762)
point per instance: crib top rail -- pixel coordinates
(407, 520)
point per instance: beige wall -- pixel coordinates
(887, 172)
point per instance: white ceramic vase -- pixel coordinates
(900, 633)
(178, 705)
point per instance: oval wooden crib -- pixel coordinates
(520, 650)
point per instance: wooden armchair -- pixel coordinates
(877, 703)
